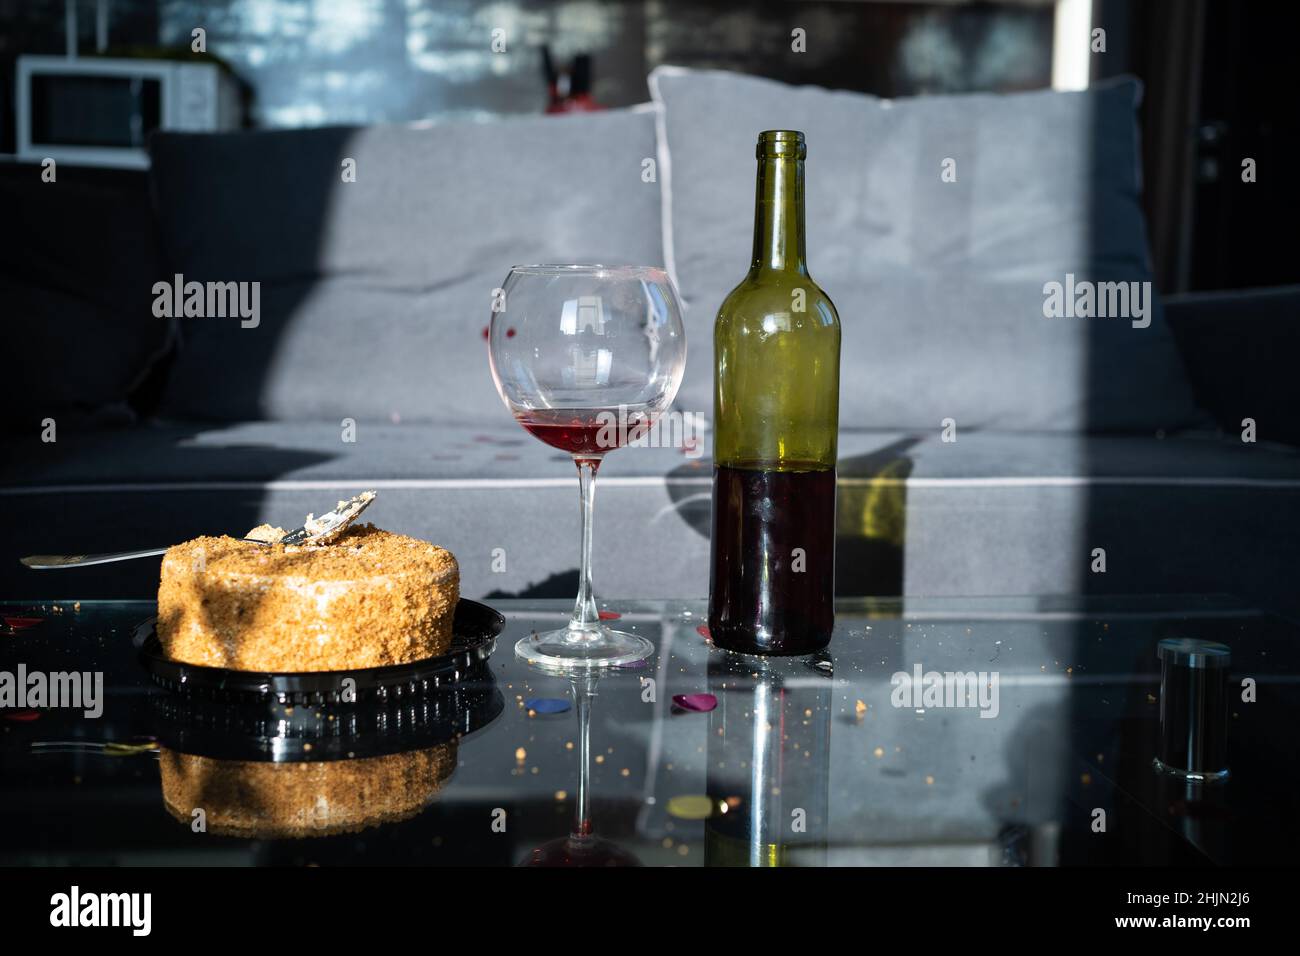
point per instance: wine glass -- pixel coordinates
(586, 357)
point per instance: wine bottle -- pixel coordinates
(776, 416)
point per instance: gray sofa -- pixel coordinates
(367, 366)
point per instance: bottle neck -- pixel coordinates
(778, 217)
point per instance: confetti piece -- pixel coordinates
(700, 703)
(547, 705)
(610, 615)
(23, 716)
(691, 806)
(21, 623)
(703, 631)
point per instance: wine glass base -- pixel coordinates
(574, 648)
(589, 851)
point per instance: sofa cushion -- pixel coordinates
(917, 350)
(1239, 346)
(375, 293)
(990, 514)
(78, 258)
(1046, 187)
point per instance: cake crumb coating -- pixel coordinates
(368, 599)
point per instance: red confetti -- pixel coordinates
(610, 615)
(485, 333)
(24, 716)
(703, 631)
(22, 623)
(699, 703)
(510, 333)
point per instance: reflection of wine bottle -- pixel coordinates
(769, 762)
(776, 414)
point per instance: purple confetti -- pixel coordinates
(700, 703)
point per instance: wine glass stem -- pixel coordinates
(584, 688)
(585, 615)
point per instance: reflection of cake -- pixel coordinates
(367, 599)
(279, 800)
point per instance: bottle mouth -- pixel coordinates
(781, 142)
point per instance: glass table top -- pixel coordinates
(1042, 756)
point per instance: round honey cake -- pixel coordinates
(369, 598)
(290, 800)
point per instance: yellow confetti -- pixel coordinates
(691, 806)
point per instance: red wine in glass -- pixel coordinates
(586, 432)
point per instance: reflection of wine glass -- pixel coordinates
(582, 847)
(587, 357)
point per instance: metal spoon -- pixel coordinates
(314, 531)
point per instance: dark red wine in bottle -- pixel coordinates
(776, 419)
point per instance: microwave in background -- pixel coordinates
(98, 111)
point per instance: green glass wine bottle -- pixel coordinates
(776, 417)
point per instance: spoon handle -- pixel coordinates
(45, 562)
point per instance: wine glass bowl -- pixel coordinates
(586, 358)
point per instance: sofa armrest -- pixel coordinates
(1240, 348)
